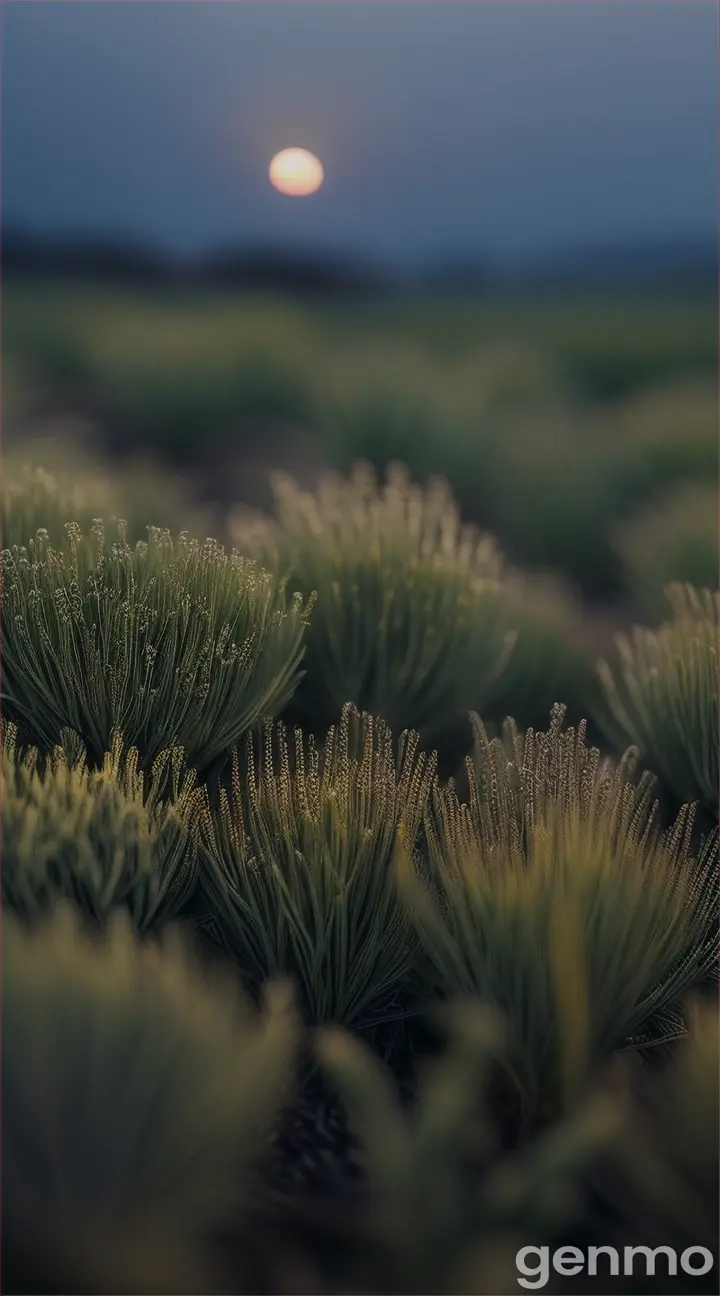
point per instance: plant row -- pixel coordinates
(353, 871)
(358, 592)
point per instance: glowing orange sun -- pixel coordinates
(296, 172)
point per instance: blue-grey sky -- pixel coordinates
(504, 128)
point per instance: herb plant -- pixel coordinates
(171, 642)
(298, 864)
(408, 625)
(662, 693)
(553, 893)
(100, 839)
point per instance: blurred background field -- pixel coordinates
(579, 427)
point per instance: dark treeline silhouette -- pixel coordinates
(690, 265)
(29, 256)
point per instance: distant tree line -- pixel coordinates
(692, 264)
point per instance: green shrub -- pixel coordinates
(443, 1212)
(554, 895)
(102, 839)
(175, 643)
(662, 693)
(136, 1096)
(298, 866)
(78, 489)
(674, 540)
(407, 624)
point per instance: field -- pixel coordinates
(554, 420)
(360, 865)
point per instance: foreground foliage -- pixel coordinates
(407, 624)
(298, 865)
(147, 1110)
(172, 642)
(554, 894)
(135, 1095)
(668, 1163)
(444, 1211)
(101, 839)
(662, 693)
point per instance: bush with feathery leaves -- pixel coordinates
(554, 894)
(136, 1095)
(172, 642)
(101, 839)
(407, 624)
(662, 693)
(298, 865)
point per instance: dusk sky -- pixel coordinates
(495, 128)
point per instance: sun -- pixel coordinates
(296, 172)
